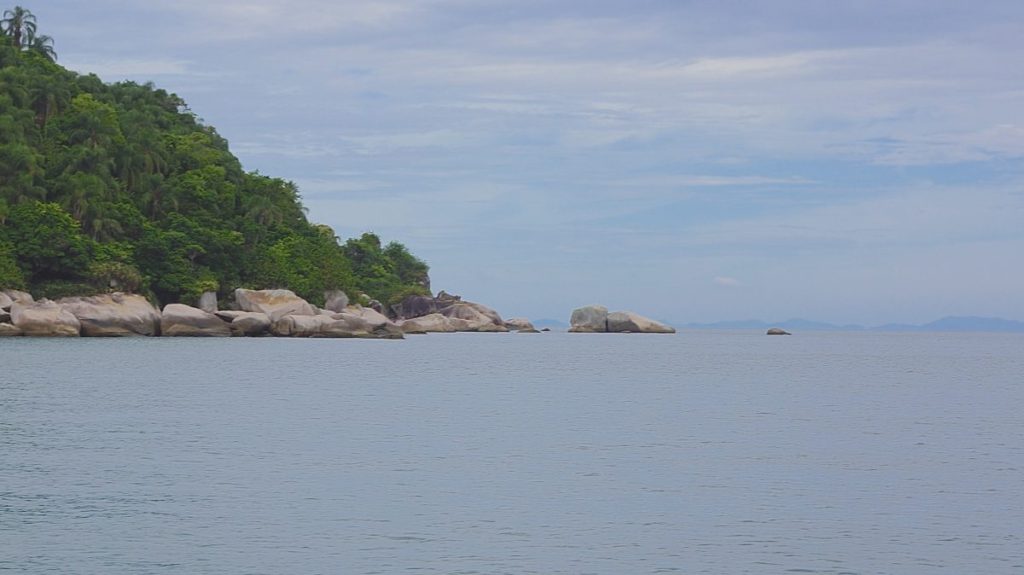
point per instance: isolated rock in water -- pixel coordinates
(519, 324)
(114, 315)
(432, 323)
(276, 303)
(589, 319)
(415, 306)
(208, 302)
(180, 320)
(777, 331)
(246, 323)
(44, 318)
(335, 300)
(627, 321)
(9, 330)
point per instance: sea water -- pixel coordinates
(700, 452)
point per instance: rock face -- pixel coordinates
(627, 321)
(415, 306)
(44, 318)
(467, 316)
(180, 320)
(432, 323)
(596, 319)
(341, 325)
(276, 303)
(589, 319)
(777, 331)
(519, 324)
(335, 300)
(208, 302)
(9, 296)
(114, 315)
(246, 323)
(9, 330)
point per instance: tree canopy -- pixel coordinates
(120, 185)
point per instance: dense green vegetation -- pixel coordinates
(107, 186)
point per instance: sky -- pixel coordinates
(851, 162)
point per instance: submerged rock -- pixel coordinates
(114, 315)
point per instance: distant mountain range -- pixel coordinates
(951, 323)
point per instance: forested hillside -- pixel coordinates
(120, 186)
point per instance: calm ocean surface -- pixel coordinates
(703, 452)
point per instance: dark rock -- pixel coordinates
(778, 331)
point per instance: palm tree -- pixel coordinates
(44, 45)
(20, 25)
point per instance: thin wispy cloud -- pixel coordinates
(679, 141)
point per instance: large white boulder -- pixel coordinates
(180, 320)
(245, 323)
(519, 324)
(627, 321)
(113, 315)
(44, 318)
(589, 319)
(339, 325)
(430, 323)
(467, 316)
(9, 296)
(335, 300)
(276, 303)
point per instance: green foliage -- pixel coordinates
(10, 275)
(116, 276)
(387, 274)
(47, 242)
(58, 288)
(120, 185)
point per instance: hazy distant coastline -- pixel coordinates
(946, 324)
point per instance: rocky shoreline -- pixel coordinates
(280, 313)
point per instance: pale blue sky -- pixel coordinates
(693, 161)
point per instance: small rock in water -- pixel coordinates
(778, 331)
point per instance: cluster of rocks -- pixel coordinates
(597, 319)
(257, 313)
(450, 313)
